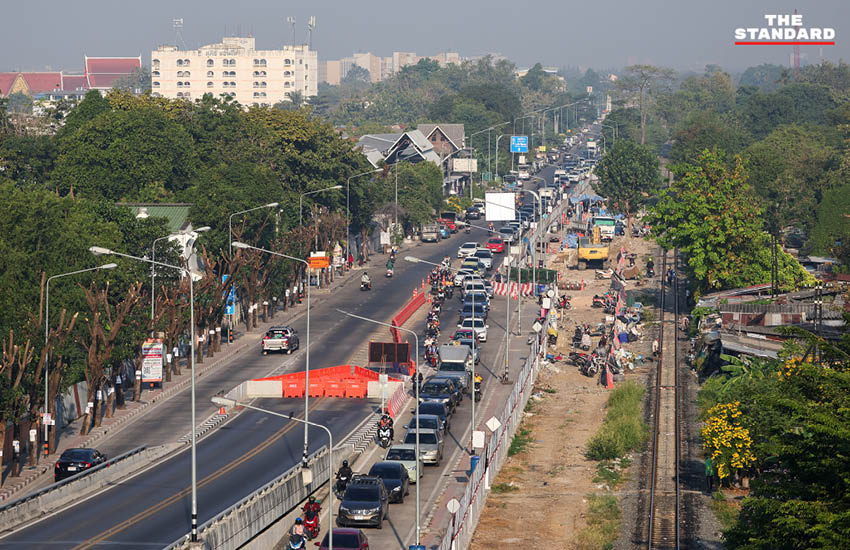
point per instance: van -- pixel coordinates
(456, 362)
(430, 233)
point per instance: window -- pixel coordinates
(232, 84)
(210, 62)
(155, 84)
(287, 73)
(155, 63)
(262, 84)
(259, 62)
(185, 62)
(287, 62)
(179, 83)
(154, 73)
(186, 94)
(180, 74)
(179, 62)
(210, 74)
(286, 84)
(179, 94)
(187, 74)
(187, 84)
(209, 84)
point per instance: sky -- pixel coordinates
(606, 35)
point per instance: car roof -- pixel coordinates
(469, 243)
(423, 431)
(494, 239)
(402, 447)
(425, 416)
(392, 463)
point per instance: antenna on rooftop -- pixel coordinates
(311, 24)
(177, 24)
(291, 20)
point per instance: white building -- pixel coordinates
(236, 68)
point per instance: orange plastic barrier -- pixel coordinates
(317, 389)
(293, 388)
(336, 381)
(334, 389)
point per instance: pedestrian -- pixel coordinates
(603, 341)
(709, 474)
(655, 348)
(350, 261)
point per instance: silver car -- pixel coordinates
(406, 455)
(430, 444)
(485, 257)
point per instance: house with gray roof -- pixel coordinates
(445, 138)
(410, 146)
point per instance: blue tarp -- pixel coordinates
(572, 240)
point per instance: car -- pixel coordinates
(480, 296)
(455, 385)
(460, 276)
(468, 342)
(430, 444)
(73, 461)
(507, 234)
(473, 310)
(495, 245)
(439, 391)
(463, 333)
(406, 456)
(485, 257)
(472, 286)
(281, 338)
(488, 287)
(438, 409)
(395, 477)
(475, 323)
(445, 232)
(365, 501)
(430, 421)
(474, 264)
(346, 539)
(467, 249)
(473, 214)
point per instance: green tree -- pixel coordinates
(20, 103)
(88, 109)
(138, 81)
(643, 84)
(355, 77)
(534, 78)
(628, 175)
(766, 77)
(701, 131)
(831, 232)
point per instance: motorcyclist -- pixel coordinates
(344, 472)
(312, 506)
(298, 528)
(386, 423)
(478, 378)
(365, 280)
(391, 263)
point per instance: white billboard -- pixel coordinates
(465, 165)
(500, 207)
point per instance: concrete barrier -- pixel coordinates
(264, 388)
(56, 496)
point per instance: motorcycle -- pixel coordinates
(297, 542)
(389, 273)
(563, 303)
(311, 524)
(599, 301)
(477, 391)
(365, 286)
(384, 437)
(650, 272)
(340, 486)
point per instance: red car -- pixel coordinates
(346, 539)
(495, 245)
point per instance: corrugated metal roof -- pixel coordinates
(177, 214)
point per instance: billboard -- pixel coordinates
(519, 144)
(500, 207)
(152, 360)
(464, 165)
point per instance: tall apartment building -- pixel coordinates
(379, 68)
(235, 68)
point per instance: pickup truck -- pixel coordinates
(430, 233)
(283, 338)
(456, 362)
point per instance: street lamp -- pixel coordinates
(616, 129)
(348, 209)
(230, 220)
(416, 389)
(47, 330)
(488, 140)
(153, 257)
(100, 251)
(301, 199)
(243, 246)
(231, 403)
(497, 153)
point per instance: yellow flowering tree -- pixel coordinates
(726, 441)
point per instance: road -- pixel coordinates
(153, 509)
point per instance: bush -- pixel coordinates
(623, 430)
(603, 523)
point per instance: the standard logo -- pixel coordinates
(785, 29)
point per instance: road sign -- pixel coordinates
(519, 144)
(453, 506)
(319, 262)
(229, 308)
(493, 424)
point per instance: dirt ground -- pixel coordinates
(539, 498)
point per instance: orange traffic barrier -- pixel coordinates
(334, 389)
(317, 389)
(293, 389)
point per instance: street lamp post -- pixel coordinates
(153, 268)
(244, 246)
(497, 153)
(47, 331)
(230, 221)
(99, 251)
(348, 210)
(533, 253)
(301, 199)
(416, 389)
(231, 403)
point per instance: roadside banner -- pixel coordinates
(152, 360)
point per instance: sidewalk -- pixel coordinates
(69, 437)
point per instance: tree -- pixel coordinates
(20, 103)
(643, 83)
(355, 77)
(766, 77)
(534, 78)
(628, 175)
(92, 105)
(138, 81)
(831, 232)
(710, 215)
(704, 131)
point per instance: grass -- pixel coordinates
(502, 488)
(611, 473)
(603, 523)
(623, 430)
(520, 441)
(725, 512)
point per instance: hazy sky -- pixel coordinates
(684, 34)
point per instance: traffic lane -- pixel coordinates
(399, 530)
(154, 507)
(331, 333)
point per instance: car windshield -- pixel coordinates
(402, 454)
(453, 366)
(483, 254)
(343, 540)
(361, 493)
(433, 388)
(277, 334)
(424, 438)
(469, 245)
(423, 423)
(495, 241)
(385, 471)
(433, 408)
(76, 454)
(477, 323)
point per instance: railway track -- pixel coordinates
(664, 492)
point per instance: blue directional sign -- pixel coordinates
(231, 298)
(519, 144)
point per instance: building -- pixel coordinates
(410, 146)
(100, 74)
(236, 68)
(379, 68)
(446, 139)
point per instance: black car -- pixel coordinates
(395, 477)
(365, 502)
(438, 391)
(74, 461)
(437, 409)
(457, 390)
(473, 214)
(479, 310)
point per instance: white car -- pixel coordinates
(485, 257)
(476, 324)
(461, 275)
(467, 249)
(471, 285)
(406, 455)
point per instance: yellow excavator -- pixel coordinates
(591, 249)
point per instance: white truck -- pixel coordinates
(282, 338)
(430, 233)
(456, 362)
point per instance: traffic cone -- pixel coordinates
(582, 284)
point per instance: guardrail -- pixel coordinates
(58, 494)
(246, 519)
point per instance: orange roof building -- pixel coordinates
(100, 74)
